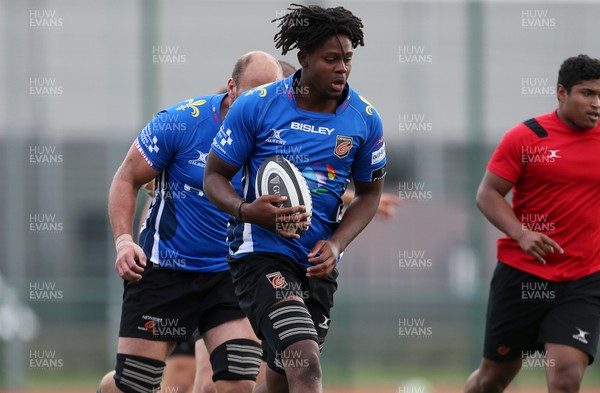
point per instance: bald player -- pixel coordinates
(177, 280)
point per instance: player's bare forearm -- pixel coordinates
(130, 259)
(217, 184)
(494, 206)
(121, 205)
(359, 213)
(133, 173)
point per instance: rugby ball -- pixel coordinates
(278, 176)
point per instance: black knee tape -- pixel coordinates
(236, 360)
(286, 323)
(138, 374)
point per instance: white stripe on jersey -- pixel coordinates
(155, 253)
(144, 223)
(247, 242)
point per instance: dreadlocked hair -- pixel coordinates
(304, 27)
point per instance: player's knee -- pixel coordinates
(107, 382)
(301, 361)
(310, 373)
(565, 379)
(490, 383)
(203, 382)
(564, 386)
(236, 360)
(204, 387)
(235, 386)
(138, 374)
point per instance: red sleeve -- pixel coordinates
(507, 160)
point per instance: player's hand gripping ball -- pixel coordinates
(278, 176)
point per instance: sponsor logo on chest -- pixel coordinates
(311, 128)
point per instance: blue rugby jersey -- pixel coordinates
(328, 149)
(183, 229)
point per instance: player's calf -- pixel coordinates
(492, 377)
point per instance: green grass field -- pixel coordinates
(365, 378)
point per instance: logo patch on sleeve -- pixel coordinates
(141, 150)
(378, 155)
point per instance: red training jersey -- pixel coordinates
(555, 170)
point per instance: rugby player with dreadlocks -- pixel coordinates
(285, 283)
